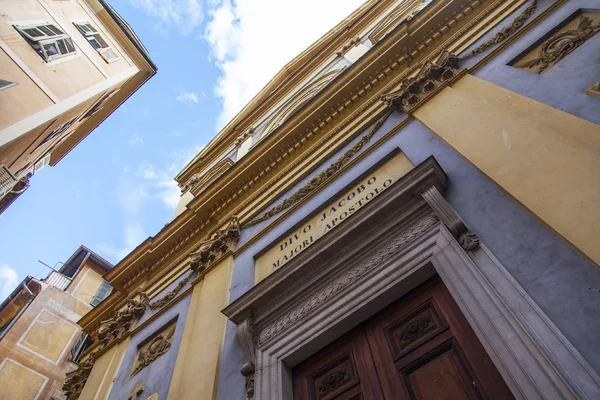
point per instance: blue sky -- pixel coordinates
(116, 187)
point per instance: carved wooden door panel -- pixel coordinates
(420, 347)
(424, 348)
(344, 370)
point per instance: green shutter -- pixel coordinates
(102, 293)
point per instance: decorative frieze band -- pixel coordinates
(319, 180)
(349, 277)
(505, 33)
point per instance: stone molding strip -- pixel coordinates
(319, 180)
(349, 277)
(505, 33)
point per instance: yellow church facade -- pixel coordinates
(409, 209)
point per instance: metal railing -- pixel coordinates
(58, 280)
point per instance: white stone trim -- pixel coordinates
(532, 355)
(7, 359)
(388, 248)
(29, 72)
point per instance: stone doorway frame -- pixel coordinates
(400, 239)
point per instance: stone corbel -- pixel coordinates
(467, 239)
(245, 334)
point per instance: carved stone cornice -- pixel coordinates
(353, 42)
(562, 44)
(122, 322)
(349, 277)
(320, 179)
(242, 138)
(414, 91)
(300, 139)
(202, 179)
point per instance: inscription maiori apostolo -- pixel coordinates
(332, 216)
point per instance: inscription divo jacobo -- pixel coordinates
(332, 216)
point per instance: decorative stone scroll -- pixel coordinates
(119, 325)
(320, 179)
(115, 328)
(505, 33)
(218, 244)
(414, 90)
(467, 239)
(560, 45)
(246, 337)
(76, 379)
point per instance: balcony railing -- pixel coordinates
(58, 280)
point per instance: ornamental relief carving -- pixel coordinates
(154, 348)
(348, 278)
(319, 180)
(75, 380)
(123, 321)
(414, 90)
(569, 37)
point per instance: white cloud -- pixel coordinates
(8, 280)
(136, 187)
(133, 236)
(188, 97)
(251, 40)
(137, 140)
(184, 15)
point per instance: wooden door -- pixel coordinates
(344, 370)
(420, 347)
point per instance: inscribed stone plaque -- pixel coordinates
(333, 215)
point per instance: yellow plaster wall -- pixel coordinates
(545, 158)
(196, 369)
(49, 335)
(22, 100)
(105, 369)
(88, 285)
(17, 382)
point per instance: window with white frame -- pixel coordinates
(96, 41)
(47, 40)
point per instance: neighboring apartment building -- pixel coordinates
(409, 209)
(40, 340)
(64, 67)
